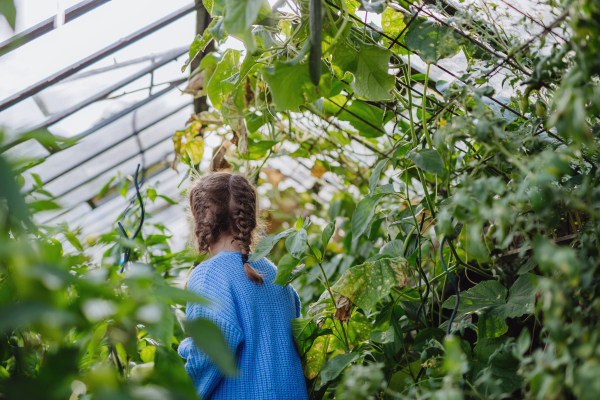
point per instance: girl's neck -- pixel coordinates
(225, 243)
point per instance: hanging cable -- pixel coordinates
(421, 269)
(127, 252)
(453, 286)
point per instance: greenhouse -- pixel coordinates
(311, 199)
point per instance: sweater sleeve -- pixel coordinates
(221, 311)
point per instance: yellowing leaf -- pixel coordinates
(318, 169)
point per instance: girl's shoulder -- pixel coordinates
(209, 274)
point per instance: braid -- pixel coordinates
(225, 203)
(242, 208)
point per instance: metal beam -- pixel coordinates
(101, 95)
(126, 111)
(150, 57)
(66, 210)
(86, 62)
(107, 121)
(105, 170)
(46, 26)
(100, 151)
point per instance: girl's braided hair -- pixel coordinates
(225, 203)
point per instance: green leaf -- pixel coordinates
(363, 214)
(425, 335)
(199, 44)
(284, 269)
(106, 186)
(376, 174)
(368, 283)
(257, 149)
(296, 243)
(484, 294)
(299, 223)
(179, 296)
(3, 373)
(7, 8)
(29, 312)
(369, 66)
(383, 337)
(241, 14)
(37, 179)
(395, 248)
(74, 240)
(265, 245)
(151, 194)
(209, 339)
(42, 205)
(147, 354)
(376, 6)
(392, 22)
(317, 252)
(226, 67)
(358, 329)
(167, 199)
(335, 366)
(327, 233)
(428, 160)
(430, 40)
(398, 380)
(296, 273)
(316, 356)
(291, 86)
(367, 119)
(488, 300)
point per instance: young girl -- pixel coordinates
(253, 313)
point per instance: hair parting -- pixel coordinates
(223, 203)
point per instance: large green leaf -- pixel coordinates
(327, 233)
(316, 356)
(430, 40)
(488, 299)
(368, 120)
(392, 22)
(369, 66)
(241, 14)
(284, 269)
(363, 214)
(296, 243)
(209, 339)
(368, 283)
(226, 67)
(428, 160)
(265, 245)
(335, 366)
(8, 10)
(291, 86)
(376, 174)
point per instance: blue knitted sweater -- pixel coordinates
(255, 321)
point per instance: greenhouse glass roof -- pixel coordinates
(112, 79)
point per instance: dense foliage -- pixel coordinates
(447, 249)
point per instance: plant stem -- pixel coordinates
(424, 104)
(427, 198)
(330, 295)
(410, 103)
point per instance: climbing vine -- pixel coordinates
(443, 237)
(450, 245)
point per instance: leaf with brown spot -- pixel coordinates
(366, 284)
(318, 169)
(343, 308)
(316, 356)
